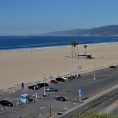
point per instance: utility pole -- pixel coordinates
(94, 71)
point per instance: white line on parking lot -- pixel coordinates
(42, 107)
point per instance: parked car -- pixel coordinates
(60, 79)
(112, 66)
(65, 78)
(42, 84)
(6, 103)
(60, 98)
(53, 81)
(51, 89)
(34, 87)
(85, 98)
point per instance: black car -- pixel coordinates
(6, 103)
(51, 89)
(60, 79)
(34, 87)
(112, 66)
(43, 84)
(60, 98)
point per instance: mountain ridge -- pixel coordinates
(108, 30)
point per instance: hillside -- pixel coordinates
(109, 30)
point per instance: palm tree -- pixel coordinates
(71, 48)
(77, 48)
(85, 46)
(74, 44)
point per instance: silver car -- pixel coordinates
(51, 89)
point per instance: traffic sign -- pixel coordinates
(50, 106)
(79, 90)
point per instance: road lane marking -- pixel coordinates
(65, 108)
(86, 108)
(74, 114)
(102, 104)
(96, 102)
(75, 103)
(104, 98)
(111, 98)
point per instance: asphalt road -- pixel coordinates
(98, 104)
(105, 78)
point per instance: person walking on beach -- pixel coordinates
(22, 85)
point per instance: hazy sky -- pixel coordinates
(27, 17)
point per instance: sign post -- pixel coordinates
(80, 93)
(50, 106)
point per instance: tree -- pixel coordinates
(71, 48)
(85, 46)
(73, 44)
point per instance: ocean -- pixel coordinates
(28, 42)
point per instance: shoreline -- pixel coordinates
(37, 48)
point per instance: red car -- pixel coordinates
(53, 81)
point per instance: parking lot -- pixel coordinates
(104, 79)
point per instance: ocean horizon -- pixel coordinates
(36, 42)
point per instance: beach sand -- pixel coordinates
(17, 66)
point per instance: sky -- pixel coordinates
(32, 17)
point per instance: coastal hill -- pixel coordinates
(109, 30)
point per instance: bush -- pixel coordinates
(94, 114)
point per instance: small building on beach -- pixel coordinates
(85, 56)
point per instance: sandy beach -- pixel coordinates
(17, 66)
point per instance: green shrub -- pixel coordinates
(93, 114)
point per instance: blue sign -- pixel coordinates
(79, 90)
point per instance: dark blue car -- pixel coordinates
(6, 103)
(60, 98)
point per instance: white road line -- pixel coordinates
(86, 108)
(111, 98)
(65, 108)
(96, 102)
(42, 107)
(75, 103)
(102, 103)
(74, 114)
(104, 98)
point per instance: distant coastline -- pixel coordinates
(108, 30)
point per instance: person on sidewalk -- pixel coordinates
(22, 85)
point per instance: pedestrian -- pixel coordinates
(22, 85)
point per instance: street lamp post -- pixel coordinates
(44, 85)
(44, 82)
(94, 72)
